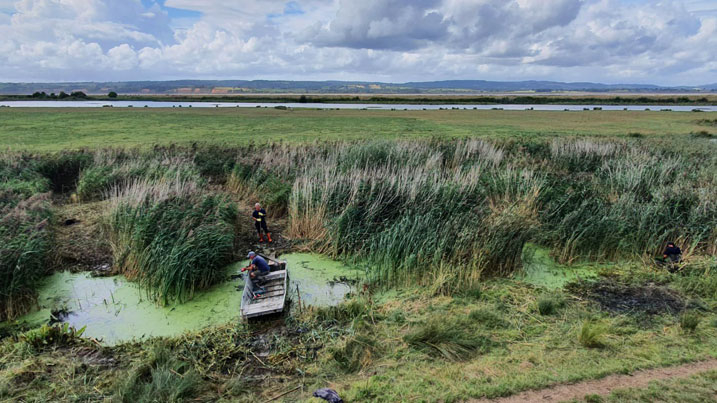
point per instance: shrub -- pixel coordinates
(689, 321)
(95, 181)
(592, 334)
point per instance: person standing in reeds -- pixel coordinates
(259, 216)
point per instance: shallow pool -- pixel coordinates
(115, 310)
(541, 270)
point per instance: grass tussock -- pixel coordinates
(549, 304)
(689, 321)
(592, 334)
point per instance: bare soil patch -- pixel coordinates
(616, 297)
(606, 385)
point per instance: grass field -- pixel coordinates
(57, 129)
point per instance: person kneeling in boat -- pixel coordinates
(258, 268)
(259, 216)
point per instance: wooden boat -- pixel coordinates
(271, 298)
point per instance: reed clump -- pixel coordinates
(25, 240)
(170, 236)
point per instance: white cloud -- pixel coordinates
(669, 42)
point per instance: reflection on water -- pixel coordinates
(116, 310)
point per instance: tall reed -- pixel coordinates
(25, 240)
(434, 211)
(170, 237)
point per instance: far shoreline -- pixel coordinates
(537, 98)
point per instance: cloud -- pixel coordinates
(670, 42)
(381, 24)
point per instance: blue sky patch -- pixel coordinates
(291, 8)
(171, 11)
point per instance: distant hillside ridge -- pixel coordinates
(237, 87)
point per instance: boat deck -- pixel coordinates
(272, 301)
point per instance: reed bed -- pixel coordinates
(446, 213)
(434, 213)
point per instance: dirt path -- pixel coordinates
(604, 386)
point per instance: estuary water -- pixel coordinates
(411, 107)
(114, 310)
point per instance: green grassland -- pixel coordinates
(699, 388)
(441, 209)
(47, 129)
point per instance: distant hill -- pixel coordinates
(228, 87)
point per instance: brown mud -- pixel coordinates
(604, 386)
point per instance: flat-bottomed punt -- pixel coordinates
(255, 303)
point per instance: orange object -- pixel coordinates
(268, 237)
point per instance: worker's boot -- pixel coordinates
(261, 238)
(268, 237)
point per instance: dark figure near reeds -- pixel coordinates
(671, 257)
(259, 216)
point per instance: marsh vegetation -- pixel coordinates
(441, 228)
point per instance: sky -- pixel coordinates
(608, 41)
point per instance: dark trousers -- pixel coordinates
(261, 224)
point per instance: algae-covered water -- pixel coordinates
(321, 281)
(115, 310)
(541, 270)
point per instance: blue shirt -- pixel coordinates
(261, 264)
